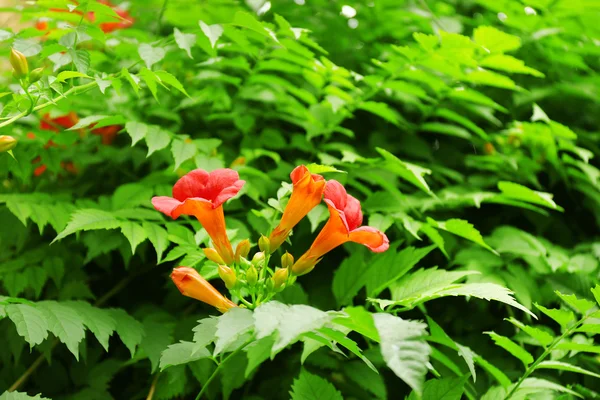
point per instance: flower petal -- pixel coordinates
(336, 193)
(373, 238)
(166, 205)
(192, 184)
(353, 213)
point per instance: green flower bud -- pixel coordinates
(36, 75)
(245, 263)
(258, 259)
(252, 276)
(7, 143)
(287, 260)
(242, 250)
(280, 278)
(19, 63)
(264, 244)
(228, 276)
(270, 285)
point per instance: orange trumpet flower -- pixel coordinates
(306, 194)
(202, 195)
(191, 284)
(345, 218)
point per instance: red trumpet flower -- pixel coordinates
(306, 194)
(202, 195)
(345, 218)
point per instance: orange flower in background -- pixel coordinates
(345, 218)
(306, 194)
(55, 124)
(191, 284)
(202, 195)
(108, 133)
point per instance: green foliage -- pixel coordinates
(467, 130)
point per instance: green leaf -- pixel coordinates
(63, 76)
(30, 322)
(182, 353)
(359, 320)
(542, 337)
(444, 389)
(232, 373)
(535, 385)
(65, 323)
(86, 220)
(258, 351)
(512, 348)
(151, 81)
(158, 236)
(341, 339)
(158, 336)
(312, 387)
(494, 40)
(169, 79)
(563, 317)
(523, 193)
(81, 60)
(205, 332)
(580, 305)
(231, 326)
(185, 41)
(446, 129)
(381, 110)
(366, 378)
(136, 130)
(596, 292)
(403, 348)
(20, 396)
(349, 278)
(212, 32)
(463, 229)
(97, 320)
(182, 151)
(133, 80)
(493, 371)
(129, 329)
(409, 172)
(322, 169)
(246, 20)
(563, 366)
(502, 62)
(151, 55)
(157, 139)
(579, 347)
(134, 233)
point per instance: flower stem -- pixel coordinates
(216, 372)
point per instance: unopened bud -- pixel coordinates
(7, 143)
(245, 263)
(264, 244)
(252, 276)
(287, 260)
(35, 75)
(242, 250)
(212, 255)
(258, 259)
(228, 276)
(19, 63)
(270, 285)
(489, 149)
(280, 278)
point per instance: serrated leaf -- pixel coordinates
(185, 41)
(169, 79)
(359, 320)
(512, 348)
(247, 20)
(542, 337)
(494, 40)
(158, 236)
(182, 151)
(129, 329)
(134, 233)
(349, 278)
(563, 366)
(381, 110)
(536, 385)
(205, 332)
(258, 351)
(463, 229)
(366, 378)
(182, 353)
(156, 139)
(580, 305)
(86, 220)
(563, 317)
(403, 348)
(21, 396)
(63, 76)
(97, 320)
(523, 193)
(151, 81)
(65, 323)
(136, 130)
(444, 389)
(231, 326)
(409, 172)
(503, 62)
(30, 322)
(313, 387)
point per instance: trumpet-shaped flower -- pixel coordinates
(344, 225)
(191, 284)
(306, 194)
(202, 195)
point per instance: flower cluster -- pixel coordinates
(202, 194)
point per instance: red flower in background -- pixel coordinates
(344, 225)
(59, 123)
(108, 133)
(202, 195)
(125, 22)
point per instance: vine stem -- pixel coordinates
(38, 361)
(545, 354)
(216, 372)
(75, 89)
(153, 387)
